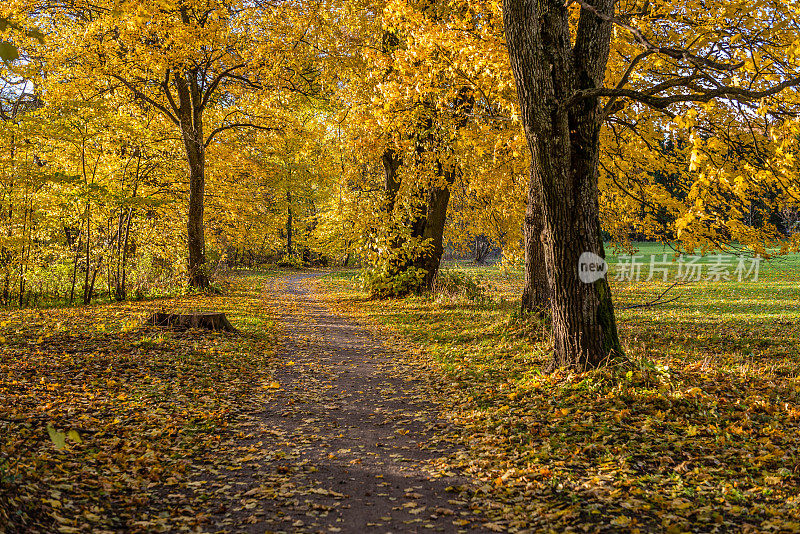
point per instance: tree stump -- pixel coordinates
(208, 321)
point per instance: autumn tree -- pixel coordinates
(685, 53)
(269, 185)
(431, 110)
(197, 63)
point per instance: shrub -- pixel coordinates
(387, 283)
(292, 261)
(454, 283)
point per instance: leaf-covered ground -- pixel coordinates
(301, 422)
(101, 419)
(698, 433)
(108, 426)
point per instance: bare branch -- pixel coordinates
(675, 53)
(236, 125)
(215, 83)
(656, 301)
(165, 88)
(624, 80)
(147, 99)
(737, 94)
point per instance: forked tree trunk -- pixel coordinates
(439, 196)
(428, 225)
(564, 144)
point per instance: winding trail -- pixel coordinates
(347, 442)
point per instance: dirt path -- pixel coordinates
(345, 445)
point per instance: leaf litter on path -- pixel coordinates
(349, 436)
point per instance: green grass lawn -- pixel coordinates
(696, 433)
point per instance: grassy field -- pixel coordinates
(696, 433)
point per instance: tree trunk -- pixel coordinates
(536, 291)
(115, 262)
(195, 231)
(433, 229)
(122, 290)
(23, 263)
(190, 115)
(391, 162)
(6, 285)
(482, 248)
(88, 253)
(94, 279)
(564, 144)
(75, 270)
(288, 222)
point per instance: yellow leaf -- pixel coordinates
(58, 438)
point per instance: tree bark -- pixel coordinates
(391, 163)
(288, 222)
(190, 115)
(536, 291)
(564, 144)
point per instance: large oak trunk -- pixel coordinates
(564, 143)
